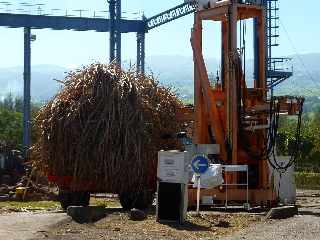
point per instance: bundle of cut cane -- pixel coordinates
(106, 126)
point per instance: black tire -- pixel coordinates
(141, 200)
(126, 201)
(68, 198)
(82, 199)
(64, 199)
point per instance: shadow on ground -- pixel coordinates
(309, 213)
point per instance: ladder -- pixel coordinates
(278, 69)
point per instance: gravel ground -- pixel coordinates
(305, 226)
(210, 225)
(117, 225)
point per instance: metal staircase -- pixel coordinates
(279, 69)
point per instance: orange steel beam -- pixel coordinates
(226, 77)
(202, 83)
(219, 13)
(200, 134)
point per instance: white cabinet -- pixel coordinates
(173, 167)
(172, 189)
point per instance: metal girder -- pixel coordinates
(68, 23)
(170, 15)
(277, 77)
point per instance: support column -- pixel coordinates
(141, 52)
(233, 100)
(26, 91)
(115, 33)
(118, 32)
(256, 48)
(263, 57)
(225, 62)
(262, 49)
(224, 47)
(112, 46)
(198, 136)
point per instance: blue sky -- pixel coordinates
(70, 49)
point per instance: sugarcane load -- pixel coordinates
(101, 133)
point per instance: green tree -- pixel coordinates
(11, 127)
(11, 120)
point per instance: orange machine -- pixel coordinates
(230, 114)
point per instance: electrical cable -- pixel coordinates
(275, 164)
(303, 88)
(268, 151)
(299, 56)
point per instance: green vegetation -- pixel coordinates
(105, 202)
(11, 126)
(11, 120)
(32, 205)
(305, 180)
(309, 157)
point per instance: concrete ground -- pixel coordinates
(26, 225)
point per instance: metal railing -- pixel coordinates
(233, 169)
(43, 10)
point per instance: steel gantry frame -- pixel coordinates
(115, 25)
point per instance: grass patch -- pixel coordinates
(305, 180)
(104, 202)
(32, 205)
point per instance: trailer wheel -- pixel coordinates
(140, 200)
(68, 198)
(82, 199)
(64, 199)
(126, 201)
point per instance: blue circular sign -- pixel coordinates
(200, 164)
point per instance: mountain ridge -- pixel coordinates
(172, 70)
